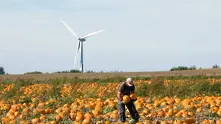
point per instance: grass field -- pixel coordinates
(162, 97)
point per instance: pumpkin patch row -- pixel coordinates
(87, 103)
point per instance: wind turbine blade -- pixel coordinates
(69, 29)
(88, 35)
(75, 58)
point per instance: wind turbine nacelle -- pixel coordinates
(82, 39)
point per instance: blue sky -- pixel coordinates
(144, 35)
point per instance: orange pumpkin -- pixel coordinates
(87, 116)
(126, 99)
(190, 121)
(58, 118)
(79, 116)
(133, 96)
(96, 112)
(86, 121)
(35, 120)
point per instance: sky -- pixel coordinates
(141, 35)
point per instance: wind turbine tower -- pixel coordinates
(81, 40)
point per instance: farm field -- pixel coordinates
(163, 100)
(201, 72)
(110, 62)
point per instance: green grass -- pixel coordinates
(196, 85)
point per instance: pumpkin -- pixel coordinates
(189, 121)
(86, 121)
(126, 99)
(96, 112)
(58, 118)
(35, 120)
(133, 96)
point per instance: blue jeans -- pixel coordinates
(132, 109)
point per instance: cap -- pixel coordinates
(129, 81)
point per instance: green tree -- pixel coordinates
(2, 71)
(179, 68)
(34, 72)
(192, 67)
(75, 71)
(215, 66)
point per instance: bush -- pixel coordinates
(62, 72)
(71, 71)
(215, 66)
(90, 71)
(192, 68)
(179, 68)
(75, 71)
(2, 71)
(34, 72)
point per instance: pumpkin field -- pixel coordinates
(161, 100)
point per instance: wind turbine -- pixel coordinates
(81, 40)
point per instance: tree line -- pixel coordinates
(176, 68)
(180, 68)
